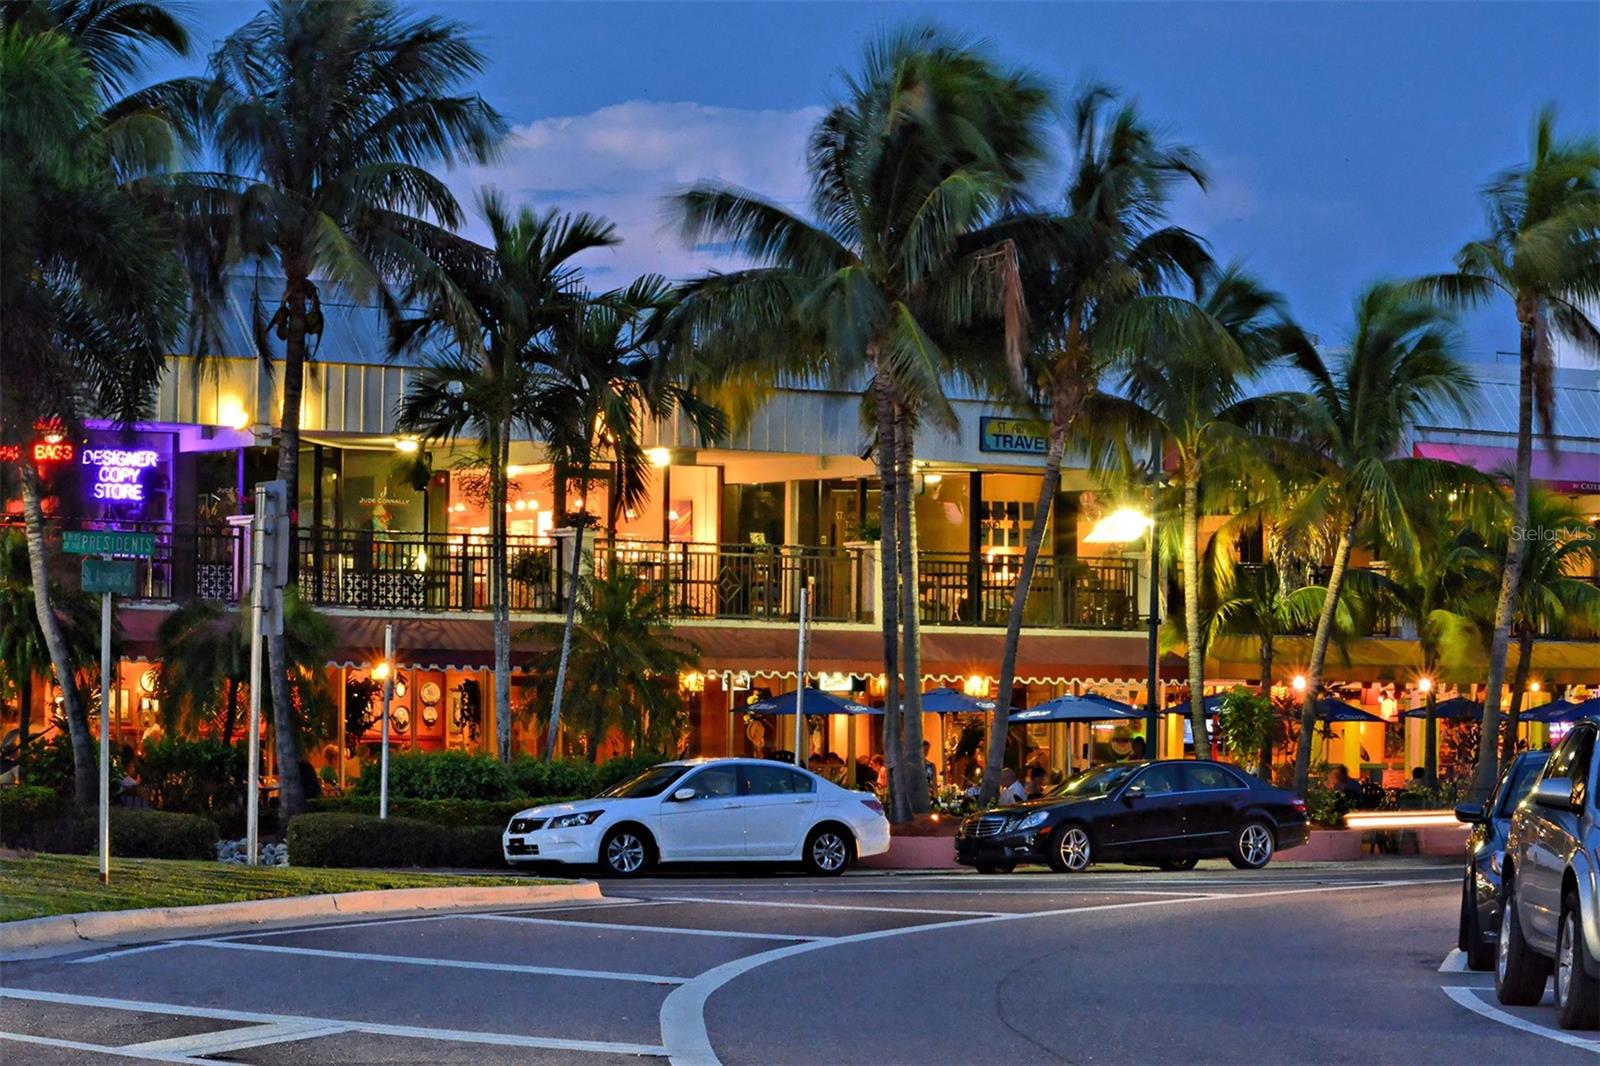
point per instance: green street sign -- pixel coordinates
(108, 575)
(108, 542)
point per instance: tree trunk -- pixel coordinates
(1001, 723)
(1319, 653)
(1264, 766)
(1191, 607)
(24, 720)
(1488, 771)
(1508, 743)
(85, 783)
(500, 587)
(230, 716)
(889, 601)
(566, 639)
(285, 729)
(917, 796)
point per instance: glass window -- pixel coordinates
(1202, 776)
(651, 782)
(1521, 779)
(1160, 779)
(775, 781)
(713, 782)
(1096, 782)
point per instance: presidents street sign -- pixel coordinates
(1017, 436)
(108, 575)
(108, 542)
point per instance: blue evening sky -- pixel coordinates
(1346, 141)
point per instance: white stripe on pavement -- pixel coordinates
(818, 906)
(1455, 962)
(1473, 1002)
(78, 1045)
(452, 964)
(673, 930)
(179, 1010)
(225, 1040)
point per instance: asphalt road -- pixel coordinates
(1292, 964)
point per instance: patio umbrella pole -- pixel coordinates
(800, 689)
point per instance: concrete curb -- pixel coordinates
(63, 933)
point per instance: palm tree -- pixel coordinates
(1187, 371)
(911, 174)
(332, 115)
(90, 291)
(1401, 366)
(496, 306)
(623, 662)
(205, 662)
(1543, 253)
(1107, 248)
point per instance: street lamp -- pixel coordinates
(1299, 683)
(1424, 685)
(1123, 526)
(384, 671)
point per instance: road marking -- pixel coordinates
(77, 1045)
(452, 964)
(683, 1022)
(670, 929)
(1473, 1002)
(249, 1036)
(1455, 962)
(1191, 893)
(818, 906)
(460, 1036)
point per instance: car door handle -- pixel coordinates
(730, 806)
(802, 799)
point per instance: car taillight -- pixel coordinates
(873, 805)
(1299, 804)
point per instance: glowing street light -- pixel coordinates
(1425, 685)
(1121, 526)
(1299, 683)
(659, 456)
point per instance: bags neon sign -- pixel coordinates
(119, 473)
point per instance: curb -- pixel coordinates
(63, 933)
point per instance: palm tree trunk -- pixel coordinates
(501, 585)
(1191, 607)
(1488, 771)
(917, 795)
(24, 719)
(566, 638)
(1264, 767)
(1319, 654)
(230, 716)
(285, 729)
(1001, 723)
(1508, 743)
(85, 786)
(889, 601)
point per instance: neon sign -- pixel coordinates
(119, 472)
(52, 452)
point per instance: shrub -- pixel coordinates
(197, 776)
(135, 834)
(25, 806)
(442, 775)
(49, 764)
(349, 840)
(533, 777)
(438, 812)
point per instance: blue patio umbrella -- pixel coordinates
(1077, 709)
(1212, 705)
(950, 701)
(1562, 711)
(1455, 709)
(1332, 710)
(817, 702)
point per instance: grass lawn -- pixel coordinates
(40, 885)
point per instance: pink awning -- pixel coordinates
(1559, 471)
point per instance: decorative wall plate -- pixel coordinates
(430, 714)
(400, 718)
(430, 692)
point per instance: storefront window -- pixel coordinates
(377, 492)
(1006, 513)
(943, 510)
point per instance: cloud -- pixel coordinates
(624, 160)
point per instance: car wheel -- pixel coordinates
(1253, 846)
(1518, 972)
(1577, 994)
(827, 851)
(624, 853)
(995, 868)
(1173, 865)
(1074, 851)
(1479, 952)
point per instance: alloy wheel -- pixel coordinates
(625, 853)
(828, 852)
(1564, 957)
(1503, 947)
(1075, 849)
(1255, 844)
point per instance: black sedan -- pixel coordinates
(1486, 851)
(1171, 813)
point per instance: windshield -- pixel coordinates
(1097, 782)
(1523, 775)
(652, 782)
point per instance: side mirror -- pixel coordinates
(1471, 813)
(1554, 792)
(1132, 792)
(683, 794)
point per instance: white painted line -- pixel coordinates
(451, 964)
(817, 906)
(1455, 962)
(669, 929)
(120, 952)
(683, 1026)
(103, 1049)
(179, 1010)
(1473, 1002)
(1192, 893)
(249, 1036)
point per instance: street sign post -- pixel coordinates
(108, 542)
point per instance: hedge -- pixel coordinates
(27, 821)
(348, 840)
(443, 775)
(438, 812)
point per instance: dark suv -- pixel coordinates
(1550, 895)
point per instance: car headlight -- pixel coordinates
(570, 821)
(1030, 821)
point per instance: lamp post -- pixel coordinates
(384, 672)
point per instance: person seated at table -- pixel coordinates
(1036, 782)
(866, 773)
(1011, 790)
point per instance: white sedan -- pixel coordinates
(705, 810)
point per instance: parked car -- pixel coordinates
(1172, 813)
(1479, 927)
(1550, 892)
(704, 810)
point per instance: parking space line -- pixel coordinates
(103, 1049)
(178, 1010)
(1455, 962)
(452, 964)
(987, 891)
(671, 929)
(820, 906)
(1469, 999)
(249, 1036)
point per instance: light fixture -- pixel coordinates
(1299, 683)
(1120, 526)
(422, 559)
(1425, 685)
(1535, 687)
(672, 516)
(407, 445)
(231, 413)
(659, 456)
(632, 514)
(521, 505)
(458, 507)
(577, 505)
(513, 470)
(692, 681)
(976, 686)
(933, 478)
(380, 672)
